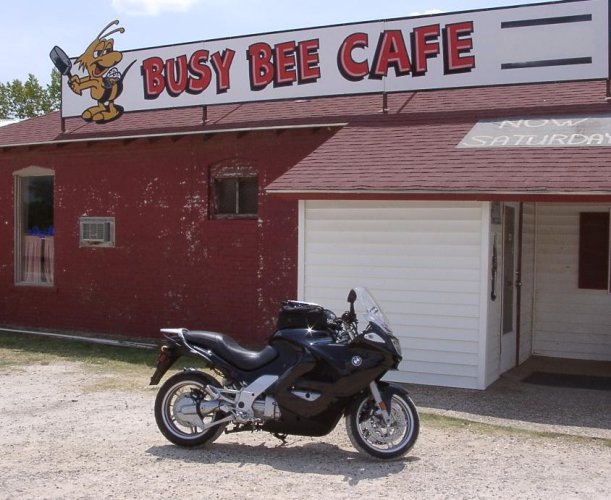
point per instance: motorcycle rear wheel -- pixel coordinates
(176, 413)
(371, 436)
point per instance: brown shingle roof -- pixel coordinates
(409, 149)
(402, 158)
(415, 151)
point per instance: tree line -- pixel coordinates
(19, 100)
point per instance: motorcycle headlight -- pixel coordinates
(396, 344)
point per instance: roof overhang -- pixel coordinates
(174, 134)
(523, 196)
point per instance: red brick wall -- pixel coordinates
(172, 265)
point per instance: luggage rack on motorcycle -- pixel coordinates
(180, 333)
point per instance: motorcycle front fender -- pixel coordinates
(387, 395)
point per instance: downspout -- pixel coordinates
(484, 302)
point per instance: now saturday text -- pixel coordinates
(541, 132)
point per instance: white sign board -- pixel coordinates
(536, 43)
(541, 132)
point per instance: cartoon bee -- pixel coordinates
(103, 80)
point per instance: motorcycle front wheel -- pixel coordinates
(369, 433)
(177, 413)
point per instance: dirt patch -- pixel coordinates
(66, 431)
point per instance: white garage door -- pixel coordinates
(422, 261)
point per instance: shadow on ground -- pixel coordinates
(318, 458)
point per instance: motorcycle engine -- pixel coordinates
(266, 409)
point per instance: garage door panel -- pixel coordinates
(339, 258)
(403, 273)
(422, 261)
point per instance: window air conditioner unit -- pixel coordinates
(97, 231)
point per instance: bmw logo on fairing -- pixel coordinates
(357, 360)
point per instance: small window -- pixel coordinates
(594, 250)
(234, 190)
(97, 232)
(236, 196)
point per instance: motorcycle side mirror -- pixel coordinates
(352, 299)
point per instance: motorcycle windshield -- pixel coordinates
(372, 310)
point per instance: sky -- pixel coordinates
(30, 28)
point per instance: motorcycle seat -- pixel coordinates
(228, 349)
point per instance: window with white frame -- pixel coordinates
(34, 226)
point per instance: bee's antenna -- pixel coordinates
(120, 30)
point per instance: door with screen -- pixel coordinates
(511, 286)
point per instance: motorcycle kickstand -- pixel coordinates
(281, 437)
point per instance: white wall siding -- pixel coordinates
(569, 322)
(422, 260)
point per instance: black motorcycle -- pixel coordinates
(315, 369)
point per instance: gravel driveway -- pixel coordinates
(62, 435)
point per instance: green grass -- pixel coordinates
(20, 349)
(452, 423)
(116, 367)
